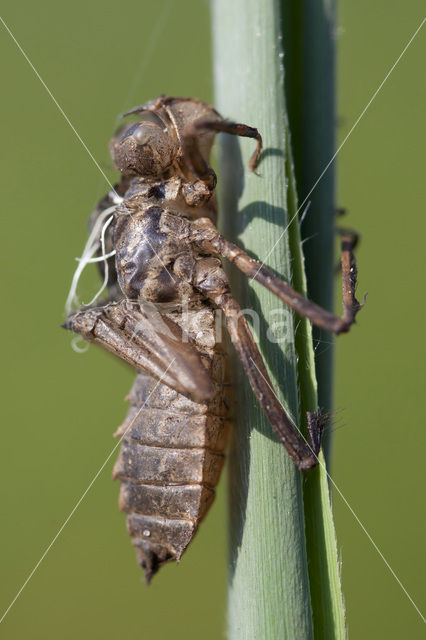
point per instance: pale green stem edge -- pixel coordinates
(324, 567)
(272, 593)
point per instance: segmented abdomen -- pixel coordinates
(170, 461)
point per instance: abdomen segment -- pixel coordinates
(170, 461)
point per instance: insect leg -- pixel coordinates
(211, 279)
(303, 454)
(151, 105)
(351, 306)
(220, 126)
(345, 231)
(192, 152)
(148, 342)
(205, 234)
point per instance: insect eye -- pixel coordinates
(145, 148)
(142, 135)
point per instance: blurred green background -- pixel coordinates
(60, 408)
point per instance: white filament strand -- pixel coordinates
(91, 246)
(105, 282)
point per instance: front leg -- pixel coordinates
(192, 151)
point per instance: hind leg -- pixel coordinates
(212, 281)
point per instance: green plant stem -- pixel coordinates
(324, 568)
(309, 44)
(269, 589)
(309, 30)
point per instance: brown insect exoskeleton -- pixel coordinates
(161, 254)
